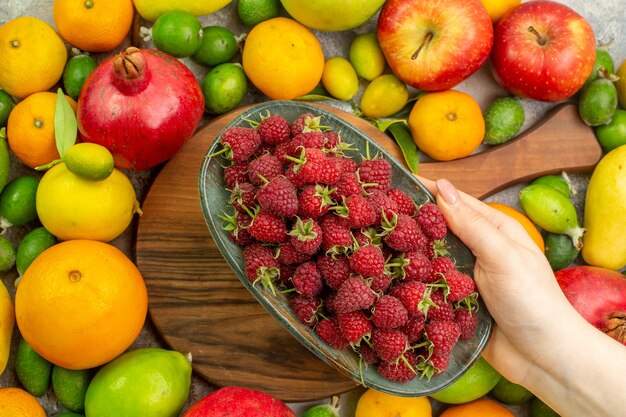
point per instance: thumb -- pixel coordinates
(471, 225)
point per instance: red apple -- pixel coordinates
(543, 50)
(433, 45)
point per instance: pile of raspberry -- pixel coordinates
(362, 264)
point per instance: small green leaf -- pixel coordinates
(65, 125)
(319, 93)
(404, 112)
(402, 135)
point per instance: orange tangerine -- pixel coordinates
(15, 402)
(528, 225)
(479, 408)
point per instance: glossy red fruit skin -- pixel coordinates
(239, 402)
(599, 295)
(552, 72)
(142, 105)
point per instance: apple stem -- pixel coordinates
(427, 39)
(540, 39)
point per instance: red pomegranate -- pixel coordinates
(142, 105)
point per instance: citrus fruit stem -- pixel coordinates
(4, 226)
(427, 39)
(48, 165)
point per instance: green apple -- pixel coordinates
(332, 15)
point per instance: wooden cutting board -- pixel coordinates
(197, 303)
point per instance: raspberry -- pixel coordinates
(240, 235)
(432, 222)
(443, 334)
(333, 139)
(235, 174)
(440, 266)
(307, 280)
(414, 328)
(260, 265)
(306, 236)
(334, 271)
(309, 140)
(418, 267)
(435, 365)
(414, 296)
(390, 345)
(403, 234)
(278, 197)
(403, 201)
(459, 285)
(287, 254)
(265, 167)
(286, 272)
(399, 372)
(305, 308)
(344, 164)
(380, 283)
(310, 166)
(239, 143)
(441, 310)
(354, 326)
(352, 295)
(389, 313)
(267, 227)
(283, 150)
(314, 201)
(274, 129)
(329, 302)
(348, 184)
(368, 261)
(357, 211)
(367, 354)
(330, 172)
(467, 321)
(336, 237)
(376, 171)
(382, 204)
(305, 121)
(328, 331)
(243, 195)
(298, 181)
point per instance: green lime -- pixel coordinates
(253, 12)
(70, 414)
(142, 382)
(539, 409)
(6, 105)
(560, 250)
(31, 245)
(479, 379)
(7, 254)
(613, 134)
(32, 370)
(604, 62)
(70, 387)
(367, 57)
(90, 161)
(218, 46)
(224, 87)
(17, 202)
(5, 159)
(76, 72)
(555, 181)
(177, 33)
(503, 120)
(339, 78)
(509, 393)
(598, 102)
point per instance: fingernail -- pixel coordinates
(449, 194)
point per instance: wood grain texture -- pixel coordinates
(197, 303)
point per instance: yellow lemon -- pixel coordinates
(72, 207)
(33, 56)
(377, 404)
(152, 9)
(621, 84)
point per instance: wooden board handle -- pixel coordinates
(560, 142)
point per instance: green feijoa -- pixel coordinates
(7, 254)
(559, 250)
(218, 46)
(253, 12)
(322, 410)
(509, 393)
(555, 181)
(178, 33)
(32, 369)
(503, 120)
(17, 202)
(224, 88)
(31, 245)
(603, 63)
(70, 387)
(549, 209)
(366, 56)
(76, 72)
(540, 409)
(6, 105)
(598, 102)
(613, 134)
